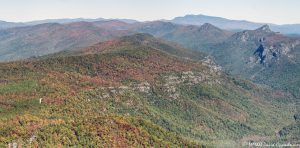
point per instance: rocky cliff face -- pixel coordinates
(267, 54)
(261, 55)
(267, 46)
(272, 46)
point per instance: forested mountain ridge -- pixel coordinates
(135, 91)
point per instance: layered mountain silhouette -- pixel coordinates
(45, 39)
(38, 40)
(190, 36)
(233, 24)
(198, 20)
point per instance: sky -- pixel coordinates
(265, 11)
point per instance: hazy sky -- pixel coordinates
(271, 11)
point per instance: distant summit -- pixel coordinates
(208, 26)
(265, 28)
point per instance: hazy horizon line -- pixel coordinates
(162, 19)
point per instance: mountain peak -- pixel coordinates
(265, 28)
(208, 26)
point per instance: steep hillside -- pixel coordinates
(134, 91)
(263, 56)
(25, 42)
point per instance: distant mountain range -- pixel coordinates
(198, 20)
(6, 25)
(238, 25)
(64, 21)
(38, 40)
(190, 36)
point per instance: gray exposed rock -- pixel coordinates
(143, 87)
(13, 145)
